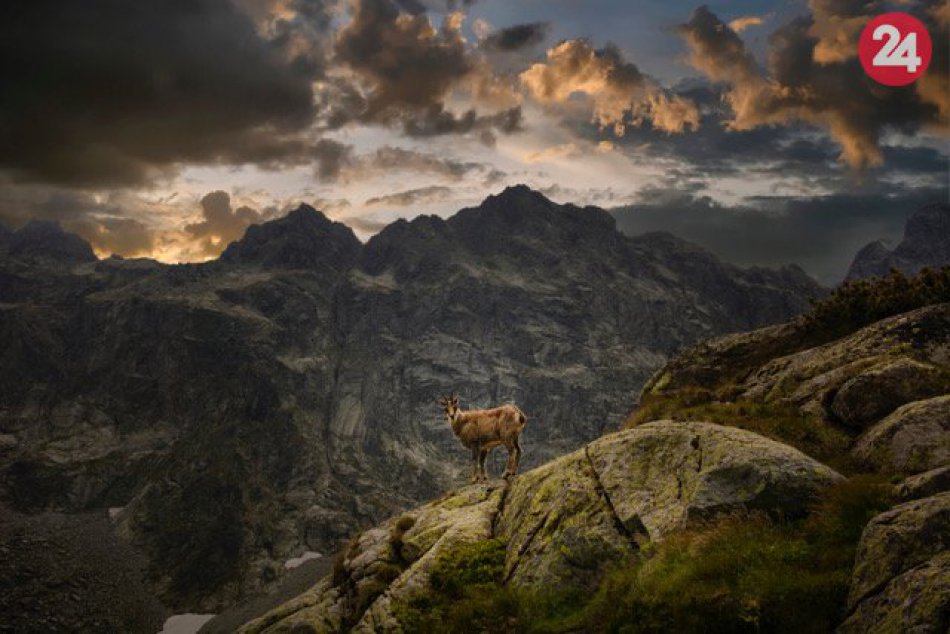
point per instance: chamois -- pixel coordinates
(481, 430)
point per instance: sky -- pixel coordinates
(164, 129)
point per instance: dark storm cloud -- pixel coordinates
(820, 233)
(436, 121)
(809, 79)
(408, 68)
(102, 92)
(409, 63)
(516, 37)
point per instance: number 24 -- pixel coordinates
(896, 51)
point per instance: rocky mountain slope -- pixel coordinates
(655, 505)
(244, 411)
(926, 243)
(560, 523)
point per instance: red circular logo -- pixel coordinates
(895, 49)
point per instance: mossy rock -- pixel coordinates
(901, 577)
(913, 439)
(895, 541)
(666, 475)
(878, 391)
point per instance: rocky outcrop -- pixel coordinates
(925, 243)
(888, 380)
(923, 485)
(562, 522)
(275, 401)
(872, 394)
(913, 439)
(901, 578)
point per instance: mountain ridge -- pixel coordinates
(294, 393)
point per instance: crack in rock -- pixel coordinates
(621, 527)
(527, 544)
(500, 510)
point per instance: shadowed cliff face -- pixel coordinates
(274, 401)
(926, 243)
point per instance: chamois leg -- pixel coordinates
(482, 455)
(514, 457)
(475, 452)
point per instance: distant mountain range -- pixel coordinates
(240, 412)
(926, 243)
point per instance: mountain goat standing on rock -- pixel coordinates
(481, 430)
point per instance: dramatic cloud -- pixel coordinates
(409, 63)
(102, 92)
(836, 25)
(618, 91)
(221, 224)
(742, 23)
(516, 37)
(804, 84)
(410, 67)
(419, 196)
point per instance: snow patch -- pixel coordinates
(290, 564)
(185, 623)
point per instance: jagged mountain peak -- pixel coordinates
(519, 206)
(926, 243)
(47, 241)
(305, 238)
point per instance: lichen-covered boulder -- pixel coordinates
(923, 485)
(913, 439)
(665, 474)
(560, 527)
(914, 602)
(900, 581)
(878, 391)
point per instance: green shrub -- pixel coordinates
(467, 595)
(856, 304)
(745, 573)
(741, 574)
